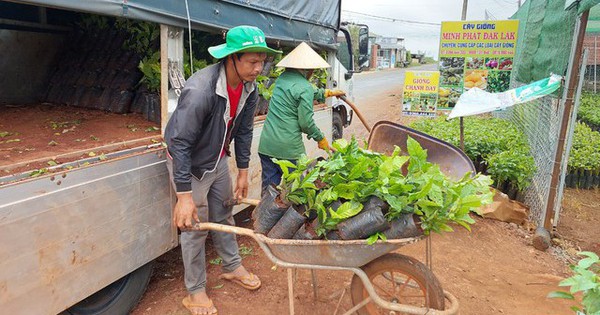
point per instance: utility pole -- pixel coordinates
(462, 124)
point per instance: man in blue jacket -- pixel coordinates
(216, 106)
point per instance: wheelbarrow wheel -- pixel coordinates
(399, 279)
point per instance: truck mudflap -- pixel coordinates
(68, 233)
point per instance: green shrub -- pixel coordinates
(585, 152)
(589, 110)
(494, 143)
(515, 166)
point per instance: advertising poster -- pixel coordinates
(475, 54)
(420, 93)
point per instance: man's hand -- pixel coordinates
(329, 93)
(241, 185)
(185, 213)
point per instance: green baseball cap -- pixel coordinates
(242, 38)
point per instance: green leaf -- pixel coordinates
(285, 166)
(309, 179)
(216, 261)
(561, 295)
(372, 239)
(346, 191)
(591, 302)
(591, 259)
(340, 145)
(347, 210)
(377, 236)
(52, 163)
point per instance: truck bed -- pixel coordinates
(36, 136)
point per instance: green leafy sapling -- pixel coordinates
(586, 280)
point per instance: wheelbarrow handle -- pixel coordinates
(234, 202)
(224, 228)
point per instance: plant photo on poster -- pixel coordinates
(448, 96)
(475, 54)
(421, 93)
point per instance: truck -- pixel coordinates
(80, 228)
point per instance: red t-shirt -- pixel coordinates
(234, 99)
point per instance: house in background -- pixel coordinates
(386, 52)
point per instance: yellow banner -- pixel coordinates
(479, 38)
(420, 92)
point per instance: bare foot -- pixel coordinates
(199, 304)
(242, 277)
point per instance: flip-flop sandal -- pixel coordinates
(243, 281)
(191, 305)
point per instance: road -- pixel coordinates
(377, 94)
(371, 83)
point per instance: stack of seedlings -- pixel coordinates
(357, 193)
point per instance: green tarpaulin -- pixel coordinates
(288, 21)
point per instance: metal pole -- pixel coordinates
(462, 125)
(595, 60)
(572, 83)
(290, 290)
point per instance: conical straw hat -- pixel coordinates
(303, 57)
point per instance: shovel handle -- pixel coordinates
(358, 113)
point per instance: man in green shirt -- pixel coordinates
(291, 113)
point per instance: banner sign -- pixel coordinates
(476, 101)
(420, 93)
(475, 54)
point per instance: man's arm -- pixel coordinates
(306, 113)
(243, 143)
(186, 122)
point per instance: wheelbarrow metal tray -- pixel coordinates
(352, 254)
(452, 161)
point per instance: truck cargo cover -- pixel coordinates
(289, 21)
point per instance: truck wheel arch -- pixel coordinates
(120, 297)
(339, 121)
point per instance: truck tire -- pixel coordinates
(118, 298)
(337, 131)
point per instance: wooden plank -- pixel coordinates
(75, 154)
(164, 77)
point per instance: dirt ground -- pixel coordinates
(491, 270)
(579, 222)
(43, 132)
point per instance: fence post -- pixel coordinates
(572, 74)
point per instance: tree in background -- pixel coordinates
(353, 30)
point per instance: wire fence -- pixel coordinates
(592, 75)
(540, 121)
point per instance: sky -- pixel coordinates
(420, 37)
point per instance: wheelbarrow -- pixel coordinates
(383, 282)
